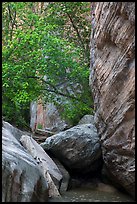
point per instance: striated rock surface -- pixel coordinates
(112, 80)
(22, 180)
(77, 148)
(48, 167)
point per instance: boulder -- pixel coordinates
(49, 169)
(77, 148)
(112, 80)
(22, 180)
(17, 133)
(86, 119)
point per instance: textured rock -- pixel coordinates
(86, 119)
(49, 169)
(22, 180)
(78, 148)
(53, 120)
(17, 133)
(40, 118)
(46, 117)
(112, 80)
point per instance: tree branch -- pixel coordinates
(41, 79)
(11, 21)
(76, 29)
(55, 90)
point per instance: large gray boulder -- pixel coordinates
(78, 148)
(22, 180)
(112, 81)
(17, 133)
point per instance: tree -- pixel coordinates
(34, 46)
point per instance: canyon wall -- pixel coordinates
(112, 80)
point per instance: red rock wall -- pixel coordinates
(40, 119)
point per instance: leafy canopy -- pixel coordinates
(39, 54)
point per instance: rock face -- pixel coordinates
(78, 148)
(113, 84)
(46, 117)
(33, 114)
(22, 180)
(53, 120)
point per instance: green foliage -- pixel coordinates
(73, 20)
(39, 126)
(36, 42)
(75, 111)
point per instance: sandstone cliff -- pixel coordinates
(112, 80)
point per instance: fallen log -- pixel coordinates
(44, 132)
